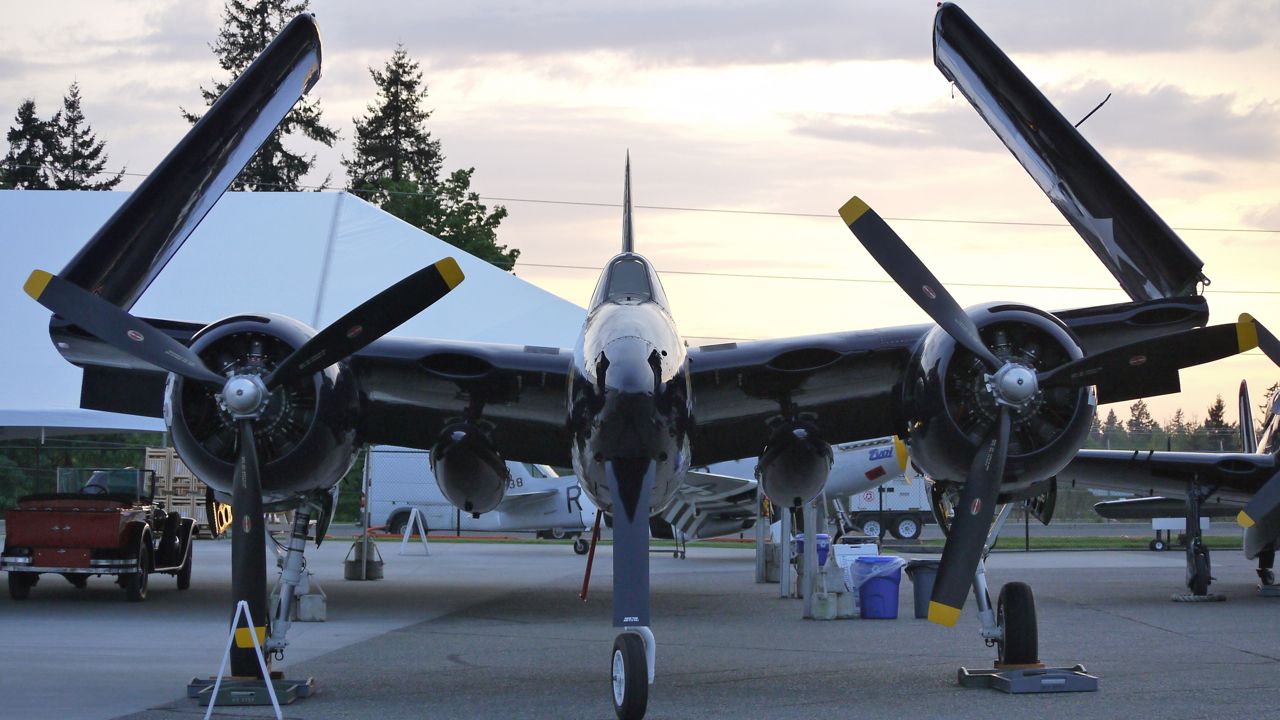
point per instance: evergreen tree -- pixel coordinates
(392, 142)
(31, 144)
(77, 155)
(1140, 424)
(1112, 432)
(1217, 431)
(248, 26)
(396, 164)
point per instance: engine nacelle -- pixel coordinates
(469, 471)
(306, 438)
(795, 464)
(950, 412)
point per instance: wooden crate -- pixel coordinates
(183, 505)
(160, 461)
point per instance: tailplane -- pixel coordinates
(1248, 436)
(628, 244)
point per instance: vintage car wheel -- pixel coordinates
(184, 572)
(135, 584)
(20, 584)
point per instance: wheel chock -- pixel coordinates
(249, 691)
(1029, 680)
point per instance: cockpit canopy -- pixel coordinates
(629, 278)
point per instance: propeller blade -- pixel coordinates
(1266, 341)
(969, 528)
(914, 278)
(374, 318)
(133, 246)
(1167, 352)
(1264, 503)
(248, 554)
(117, 327)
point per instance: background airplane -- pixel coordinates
(994, 400)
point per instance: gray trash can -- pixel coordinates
(922, 574)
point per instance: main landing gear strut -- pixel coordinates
(1198, 569)
(1011, 627)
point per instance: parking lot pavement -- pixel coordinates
(496, 630)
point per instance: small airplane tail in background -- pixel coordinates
(1248, 431)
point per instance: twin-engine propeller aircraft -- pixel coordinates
(993, 400)
(1248, 480)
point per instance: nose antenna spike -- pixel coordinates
(628, 244)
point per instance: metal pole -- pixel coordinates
(364, 502)
(810, 560)
(1026, 527)
(784, 553)
(880, 514)
(762, 533)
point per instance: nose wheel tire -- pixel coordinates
(1016, 616)
(581, 546)
(630, 674)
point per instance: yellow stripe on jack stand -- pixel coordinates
(852, 210)
(1243, 520)
(1246, 332)
(244, 638)
(943, 614)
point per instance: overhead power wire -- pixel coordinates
(721, 211)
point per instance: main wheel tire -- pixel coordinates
(871, 528)
(1016, 615)
(556, 533)
(1198, 583)
(135, 584)
(581, 546)
(906, 528)
(20, 584)
(184, 572)
(630, 676)
(1156, 545)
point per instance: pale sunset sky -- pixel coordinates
(776, 110)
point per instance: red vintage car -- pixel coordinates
(100, 522)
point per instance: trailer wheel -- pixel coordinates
(906, 527)
(20, 584)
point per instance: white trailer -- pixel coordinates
(905, 509)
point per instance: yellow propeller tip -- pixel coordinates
(450, 271)
(36, 283)
(943, 614)
(1246, 332)
(900, 449)
(852, 210)
(1244, 520)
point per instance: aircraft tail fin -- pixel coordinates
(628, 234)
(1248, 435)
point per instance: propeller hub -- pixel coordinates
(1013, 385)
(244, 396)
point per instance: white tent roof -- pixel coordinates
(51, 423)
(256, 252)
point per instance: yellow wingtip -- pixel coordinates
(943, 614)
(852, 210)
(450, 271)
(36, 283)
(1246, 332)
(1244, 520)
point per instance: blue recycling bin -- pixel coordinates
(823, 547)
(878, 585)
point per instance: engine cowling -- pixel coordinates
(795, 464)
(307, 437)
(468, 469)
(949, 411)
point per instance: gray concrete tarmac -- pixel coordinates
(497, 630)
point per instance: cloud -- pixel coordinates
(1164, 119)
(718, 32)
(1264, 217)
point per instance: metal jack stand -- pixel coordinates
(250, 690)
(1014, 679)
